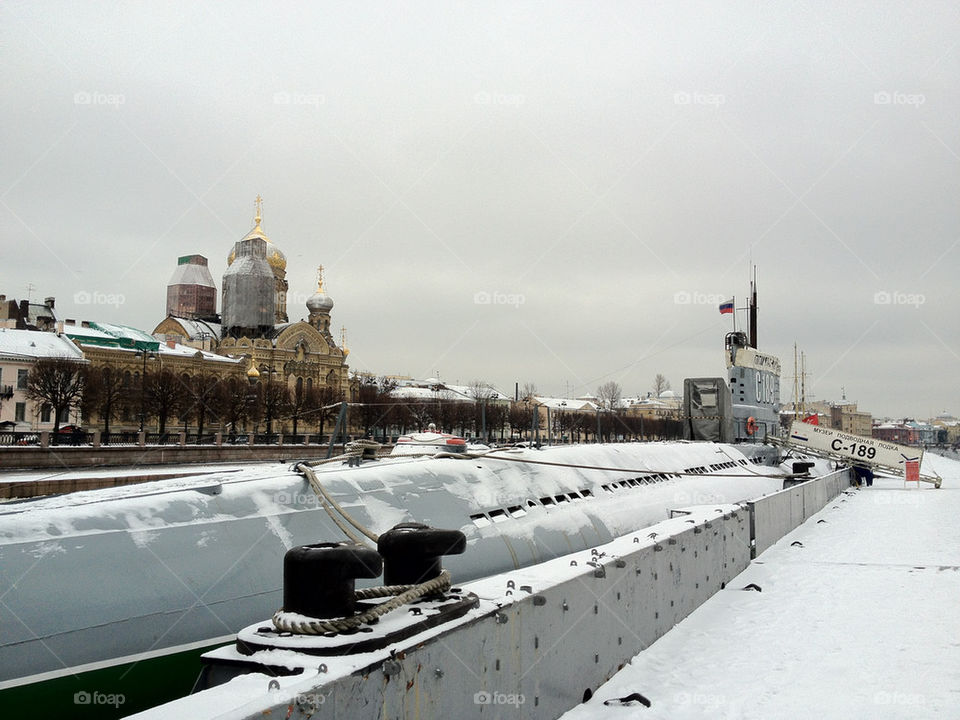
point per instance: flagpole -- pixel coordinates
(734, 313)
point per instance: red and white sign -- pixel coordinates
(912, 469)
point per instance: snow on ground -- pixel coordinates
(122, 471)
(860, 621)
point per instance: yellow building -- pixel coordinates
(255, 326)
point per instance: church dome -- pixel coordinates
(275, 257)
(319, 301)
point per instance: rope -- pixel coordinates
(330, 504)
(355, 448)
(475, 456)
(315, 626)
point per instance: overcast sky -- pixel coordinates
(558, 193)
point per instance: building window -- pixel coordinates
(22, 379)
(21, 412)
(45, 413)
(65, 415)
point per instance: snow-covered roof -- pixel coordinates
(124, 331)
(187, 351)
(412, 392)
(199, 329)
(432, 389)
(81, 332)
(564, 403)
(33, 344)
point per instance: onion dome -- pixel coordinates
(319, 302)
(275, 257)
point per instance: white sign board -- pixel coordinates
(853, 447)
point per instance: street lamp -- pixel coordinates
(146, 355)
(563, 417)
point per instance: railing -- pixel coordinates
(131, 438)
(74, 437)
(124, 437)
(9, 438)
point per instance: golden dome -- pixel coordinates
(276, 258)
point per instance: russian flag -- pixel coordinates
(726, 308)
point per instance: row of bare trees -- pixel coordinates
(379, 412)
(230, 404)
(203, 401)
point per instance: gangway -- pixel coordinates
(853, 449)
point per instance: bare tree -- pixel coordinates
(660, 384)
(58, 382)
(520, 416)
(164, 393)
(327, 396)
(482, 393)
(376, 402)
(303, 400)
(103, 394)
(609, 395)
(235, 402)
(202, 401)
(273, 398)
(528, 390)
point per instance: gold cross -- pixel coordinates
(259, 205)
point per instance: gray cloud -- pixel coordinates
(594, 160)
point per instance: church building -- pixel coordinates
(254, 322)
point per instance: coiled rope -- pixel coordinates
(284, 622)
